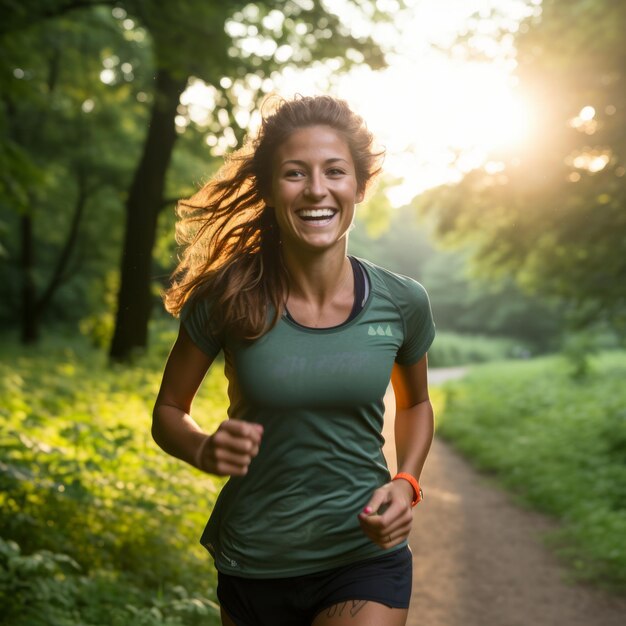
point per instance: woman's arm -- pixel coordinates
(387, 517)
(234, 444)
(414, 425)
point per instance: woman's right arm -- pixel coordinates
(226, 452)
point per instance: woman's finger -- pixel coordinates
(241, 429)
(238, 437)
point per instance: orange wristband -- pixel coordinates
(417, 490)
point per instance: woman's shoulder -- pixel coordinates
(402, 289)
(196, 317)
(199, 304)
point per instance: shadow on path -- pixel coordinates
(479, 560)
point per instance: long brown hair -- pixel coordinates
(230, 238)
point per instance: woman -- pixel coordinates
(310, 528)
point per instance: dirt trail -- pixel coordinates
(479, 559)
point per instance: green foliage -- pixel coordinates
(34, 588)
(68, 141)
(98, 327)
(48, 589)
(554, 216)
(403, 246)
(462, 302)
(468, 303)
(451, 349)
(558, 444)
(375, 213)
(104, 520)
(78, 84)
(578, 349)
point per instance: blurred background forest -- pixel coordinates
(112, 111)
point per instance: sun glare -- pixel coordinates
(437, 115)
(440, 120)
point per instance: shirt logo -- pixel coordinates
(380, 331)
(232, 562)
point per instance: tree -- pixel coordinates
(461, 302)
(226, 45)
(201, 39)
(61, 145)
(553, 215)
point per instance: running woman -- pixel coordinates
(311, 528)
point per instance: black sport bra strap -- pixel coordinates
(359, 288)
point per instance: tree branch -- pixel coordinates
(70, 242)
(31, 14)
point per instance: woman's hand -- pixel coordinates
(388, 516)
(230, 449)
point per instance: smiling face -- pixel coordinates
(314, 190)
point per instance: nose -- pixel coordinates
(316, 188)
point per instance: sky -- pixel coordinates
(437, 114)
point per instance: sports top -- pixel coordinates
(319, 395)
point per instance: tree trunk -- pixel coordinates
(28, 318)
(142, 208)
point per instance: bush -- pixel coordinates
(93, 514)
(47, 589)
(451, 349)
(560, 445)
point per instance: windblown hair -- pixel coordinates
(229, 235)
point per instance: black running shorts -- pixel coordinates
(296, 601)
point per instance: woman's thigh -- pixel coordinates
(360, 613)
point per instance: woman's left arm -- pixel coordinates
(414, 424)
(387, 517)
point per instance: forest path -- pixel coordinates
(479, 559)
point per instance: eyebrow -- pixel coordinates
(304, 164)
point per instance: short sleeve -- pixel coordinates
(195, 317)
(419, 327)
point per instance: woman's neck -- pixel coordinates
(321, 287)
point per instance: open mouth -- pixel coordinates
(319, 216)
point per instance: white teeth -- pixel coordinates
(316, 213)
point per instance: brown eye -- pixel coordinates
(294, 174)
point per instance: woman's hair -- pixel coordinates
(230, 238)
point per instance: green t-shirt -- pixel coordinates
(319, 395)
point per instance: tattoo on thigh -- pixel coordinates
(351, 608)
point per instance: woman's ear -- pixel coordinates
(360, 195)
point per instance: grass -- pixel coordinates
(98, 525)
(557, 442)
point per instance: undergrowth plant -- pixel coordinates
(98, 525)
(558, 443)
(453, 349)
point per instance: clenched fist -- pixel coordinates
(230, 449)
